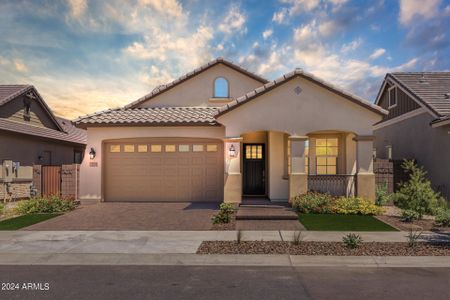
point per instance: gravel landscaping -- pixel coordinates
(323, 248)
(424, 224)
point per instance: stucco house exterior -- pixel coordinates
(418, 124)
(221, 133)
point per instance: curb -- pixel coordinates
(224, 260)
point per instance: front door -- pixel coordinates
(254, 169)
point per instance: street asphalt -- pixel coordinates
(202, 282)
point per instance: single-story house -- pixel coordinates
(418, 124)
(221, 133)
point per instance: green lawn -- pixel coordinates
(25, 220)
(343, 223)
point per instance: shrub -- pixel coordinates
(381, 194)
(352, 240)
(442, 217)
(224, 214)
(413, 237)
(313, 202)
(52, 204)
(409, 215)
(417, 193)
(297, 238)
(355, 206)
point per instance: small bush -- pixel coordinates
(224, 214)
(417, 193)
(355, 206)
(297, 237)
(409, 215)
(413, 237)
(313, 202)
(239, 236)
(44, 205)
(442, 217)
(352, 240)
(381, 194)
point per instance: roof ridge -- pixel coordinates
(24, 88)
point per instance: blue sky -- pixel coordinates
(86, 55)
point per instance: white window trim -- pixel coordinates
(389, 100)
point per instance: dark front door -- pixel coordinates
(254, 169)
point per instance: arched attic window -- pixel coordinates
(221, 88)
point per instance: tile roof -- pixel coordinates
(11, 91)
(157, 116)
(72, 134)
(430, 88)
(164, 87)
(299, 73)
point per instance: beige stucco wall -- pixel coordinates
(90, 177)
(314, 109)
(199, 89)
(278, 183)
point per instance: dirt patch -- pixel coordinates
(323, 248)
(226, 226)
(424, 224)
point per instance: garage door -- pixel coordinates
(163, 170)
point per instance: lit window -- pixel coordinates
(114, 148)
(156, 148)
(183, 148)
(128, 148)
(221, 88)
(211, 148)
(288, 157)
(142, 148)
(326, 156)
(253, 151)
(197, 148)
(392, 97)
(170, 148)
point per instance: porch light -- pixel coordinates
(92, 153)
(232, 151)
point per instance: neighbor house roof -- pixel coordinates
(431, 89)
(72, 134)
(158, 116)
(299, 73)
(165, 87)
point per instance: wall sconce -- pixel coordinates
(232, 151)
(92, 153)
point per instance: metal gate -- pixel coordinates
(51, 181)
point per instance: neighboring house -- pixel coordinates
(220, 133)
(418, 123)
(31, 135)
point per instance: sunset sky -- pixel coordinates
(85, 55)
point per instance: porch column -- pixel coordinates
(298, 179)
(232, 192)
(365, 178)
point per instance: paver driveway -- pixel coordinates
(134, 216)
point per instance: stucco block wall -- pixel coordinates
(91, 170)
(198, 91)
(414, 138)
(278, 181)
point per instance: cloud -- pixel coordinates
(233, 21)
(77, 8)
(353, 45)
(377, 53)
(170, 7)
(411, 8)
(298, 6)
(267, 33)
(279, 16)
(20, 66)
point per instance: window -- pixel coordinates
(128, 148)
(392, 97)
(389, 151)
(183, 148)
(114, 148)
(155, 148)
(326, 155)
(221, 88)
(142, 148)
(77, 157)
(253, 151)
(288, 157)
(170, 148)
(197, 148)
(211, 148)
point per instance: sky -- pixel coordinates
(85, 56)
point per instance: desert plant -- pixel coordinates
(381, 194)
(413, 237)
(224, 214)
(238, 236)
(51, 204)
(356, 206)
(297, 237)
(352, 240)
(442, 217)
(417, 194)
(409, 215)
(313, 202)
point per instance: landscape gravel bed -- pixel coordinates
(323, 248)
(424, 224)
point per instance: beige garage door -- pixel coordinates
(163, 170)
